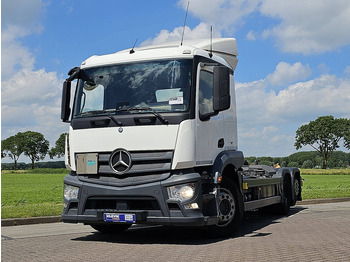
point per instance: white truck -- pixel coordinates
(153, 140)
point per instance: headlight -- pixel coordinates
(70, 192)
(181, 192)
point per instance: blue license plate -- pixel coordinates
(119, 217)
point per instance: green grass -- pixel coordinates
(31, 194)
(325, 183)
(340, 171)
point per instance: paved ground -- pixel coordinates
(311, 233)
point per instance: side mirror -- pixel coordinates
(65, 105)
(221, 91)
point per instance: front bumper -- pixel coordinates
(148, 202)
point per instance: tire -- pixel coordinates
(284, 207)
(110, 228)
(297, 193)
(230, 208)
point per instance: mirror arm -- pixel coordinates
(73, 74)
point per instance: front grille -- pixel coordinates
(142, 162)
(147, 166)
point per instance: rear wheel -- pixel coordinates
(110, 228)
(284, 207)
(297, 195)
(229, 210)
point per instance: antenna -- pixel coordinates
(183, 31)
(132, 49)
(211, 42)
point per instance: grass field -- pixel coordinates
(31, 195)
(25, 194)
(325, 183)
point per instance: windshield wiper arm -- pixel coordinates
(114, 119)
(108, 112)
(135, 108)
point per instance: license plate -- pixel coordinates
(118, 217)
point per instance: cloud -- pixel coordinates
(224, 15)
(251, 36)
(286, 73)
(297, 26)
(308, 27)
(257, 98)
(347, 70)
(30, 97)
(268, 119)
(27, 86)
(325, 95)
(14, 55)
(302, 101)
(31, 101)
(24, 13)
(265, 141)
(200, 31)
(19, 19)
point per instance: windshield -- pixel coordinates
(160, 86)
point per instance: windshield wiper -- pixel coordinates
(106, 111)
(135, 108)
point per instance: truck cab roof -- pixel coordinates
(224, 49)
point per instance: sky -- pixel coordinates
(294, 58)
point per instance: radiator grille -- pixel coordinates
(142, 162)
(147, 166)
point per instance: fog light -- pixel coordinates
(191, 206)
(70, 192)
(181, 192)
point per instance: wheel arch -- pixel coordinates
(227, 163)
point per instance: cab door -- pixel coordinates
(209, 125)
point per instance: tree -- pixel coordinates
(293, 164)
(59, 149)
(308, 164)
(12, 147)
(323, 135)
(35, 146)
(347, 138)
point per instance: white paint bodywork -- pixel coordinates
(133, 138)
(184, 155)
(224, 51)
(195, 142)
(221, 126)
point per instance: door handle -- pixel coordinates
(221, 143)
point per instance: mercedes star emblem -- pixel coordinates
(120, 161)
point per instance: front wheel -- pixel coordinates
(229, 210)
